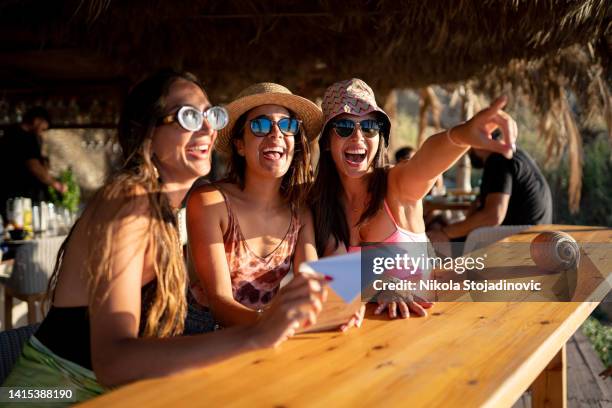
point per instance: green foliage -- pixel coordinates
(596, 200)
(601, 338)
(72, 197)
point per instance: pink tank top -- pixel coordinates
(399, 236)
(255, 279)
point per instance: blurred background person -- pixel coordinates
(404, 153)
(23, 168)
(513, 192)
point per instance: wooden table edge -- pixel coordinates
(522, 378)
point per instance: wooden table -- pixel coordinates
(446, 203)
(463, 354)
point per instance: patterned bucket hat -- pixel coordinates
(352, 96)
(268, 93)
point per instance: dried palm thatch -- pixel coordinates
(307, 44)
(537, 50)
(545, 84)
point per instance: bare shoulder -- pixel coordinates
(205, 195)
(115, 201)
(206, 205)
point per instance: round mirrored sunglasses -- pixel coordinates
(192, 119)
(262, 126)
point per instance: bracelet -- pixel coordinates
(450, 139)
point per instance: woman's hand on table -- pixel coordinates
(296, 305)
(478, 131)
(401, 306)
(355, 320)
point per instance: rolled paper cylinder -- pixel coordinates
(555, 251)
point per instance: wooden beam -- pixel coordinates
(549, 390)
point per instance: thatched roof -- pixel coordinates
(301, 43)
(538, 49)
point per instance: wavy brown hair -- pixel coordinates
(298, 179)
(137, 179)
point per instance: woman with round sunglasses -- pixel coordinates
(357, 198)
(118, 291)
(246, 231)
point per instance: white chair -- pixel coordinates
(34, 262)
(483, 236)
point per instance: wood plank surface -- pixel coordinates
(463, 354)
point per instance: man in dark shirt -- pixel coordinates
(512, 192)
(22, 166)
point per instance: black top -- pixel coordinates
(530, 197)
(65, 330)
(16, 147)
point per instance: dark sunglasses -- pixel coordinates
(346, 127)
(192, 119)
(262, 126)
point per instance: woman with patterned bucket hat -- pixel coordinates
(246, 231)
(358, 199)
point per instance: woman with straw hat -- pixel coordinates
(246, 231)
(357, 198)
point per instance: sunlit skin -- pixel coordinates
(409, 181)
(181, 156)
(118, 354)
(269, 156)
(261, 211)
(355, 143)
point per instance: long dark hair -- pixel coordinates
(326, 193)
(295, 184)
(143, 107)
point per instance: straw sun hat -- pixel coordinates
(268, 93)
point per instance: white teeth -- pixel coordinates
(356, 151)
(273, 150)
(201, 148)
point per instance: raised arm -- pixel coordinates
(119, 356)
(412, 179)
(206, 212)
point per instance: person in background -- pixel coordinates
(404, 153)
(513, 191)
(23, 168)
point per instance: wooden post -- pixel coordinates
(390, 107)
(464, 167)
(549, 390)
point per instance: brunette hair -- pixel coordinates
(295, 183)
(325, 197)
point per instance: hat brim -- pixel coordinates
(306, 111)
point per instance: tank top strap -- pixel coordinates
(232, 232)
(388, 210)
